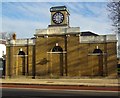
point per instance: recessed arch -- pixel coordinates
(58, 51)
(100, 60)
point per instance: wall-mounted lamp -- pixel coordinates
(46, 36)
(67, 35)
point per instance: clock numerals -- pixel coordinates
(58, 18)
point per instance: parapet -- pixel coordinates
(21, 42)
(98, 39)
(57, 30)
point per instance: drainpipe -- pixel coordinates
(27, 70)
(66, 69)
(9, 56)
(105, 57)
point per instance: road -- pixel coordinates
(53, 93)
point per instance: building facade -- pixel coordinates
(118, 46)
(2, 53)
(61, 50)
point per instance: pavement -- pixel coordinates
(64, 82)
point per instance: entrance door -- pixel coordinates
(57, 64)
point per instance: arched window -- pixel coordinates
(97, 50)
(57, 49)
(21, 52)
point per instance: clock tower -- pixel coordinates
(59, 16)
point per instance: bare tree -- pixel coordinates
(114, 9)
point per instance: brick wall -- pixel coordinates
(80, 62)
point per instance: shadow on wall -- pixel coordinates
(43, 61)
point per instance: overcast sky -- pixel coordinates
(24, 17)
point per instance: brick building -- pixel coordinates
(61, 50)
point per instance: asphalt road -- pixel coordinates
(50, 93)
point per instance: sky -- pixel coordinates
(25, 17)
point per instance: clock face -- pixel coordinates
(58, 18)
